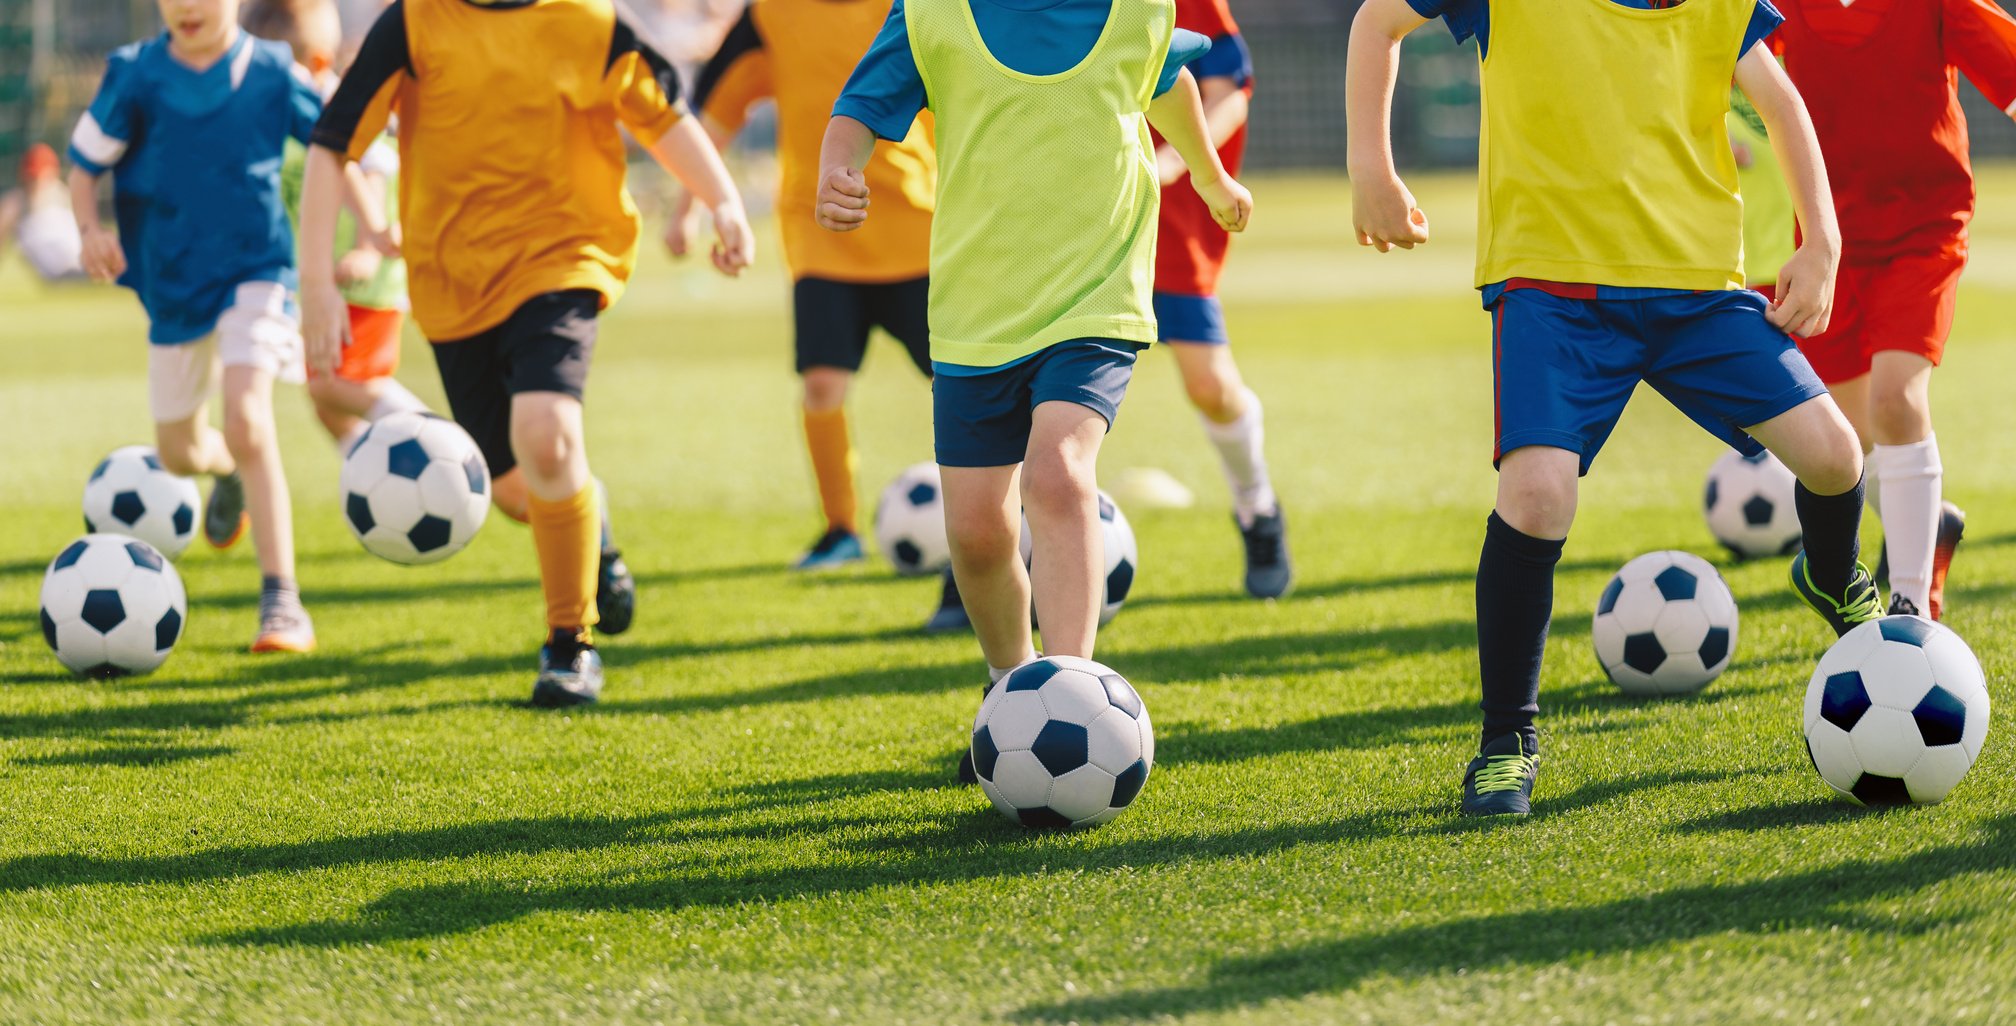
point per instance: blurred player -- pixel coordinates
(1042, 268)
(1603, 267)
(1769, 237)
(799, 52)
(1189, 254)
(212, 265)
(36, 216)
(1882, 80)
(519, 232)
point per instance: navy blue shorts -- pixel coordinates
(983, 420)
(1184, 318)
(1566, 367)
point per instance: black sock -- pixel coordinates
(1515, 605)
(1832, 525)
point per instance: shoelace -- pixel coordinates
(1865, 606)
(1503, 773)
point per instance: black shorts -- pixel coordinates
(544, 346)
(835, 317)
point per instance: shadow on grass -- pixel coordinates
(1815, 899)
(1778, 816)
(1354, 585)
(126, 755)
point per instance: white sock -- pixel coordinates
(1240, 451)
(995, 673)
(1911, 476)
(394, 397)
(1872, 487)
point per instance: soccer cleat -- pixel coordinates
(284, 627)
(1499, 781)
(1861, 604)
(837, 547)
(1901, 606)
(1952, 524)
(570, 671)
(951, 614)
(1268, 571)
(615, 593)
(224, 517)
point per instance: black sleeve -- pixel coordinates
(743, 39)
(382, 57)
(628, 39)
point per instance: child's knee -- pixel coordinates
(1833, 467)
(546, 444)
(179, 456)
(984, 538)
(825, 388)
(1537, 491)
(323, 390)
(248, 430)
(1056, 486)
(1900, 415)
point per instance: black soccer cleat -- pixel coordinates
(1268, 570)
(1901, 606)
(1499, 781)
(224, 516)
(951, 614)
(570, 671)
(615, 593)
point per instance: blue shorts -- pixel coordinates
(981, 417)
(1190, 318)
(1566, 367)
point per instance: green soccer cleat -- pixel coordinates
(1861, 604)
(1499, 781)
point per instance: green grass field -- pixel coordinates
(758, 823)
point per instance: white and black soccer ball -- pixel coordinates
(415, 488)
(910, 522)
(1896, 712)
(130, 493)
(112, 605)
(1749, 505)
(1665, 625)
(1123, 555)
(1062, 742)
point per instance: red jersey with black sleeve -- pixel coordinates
(1881, 79)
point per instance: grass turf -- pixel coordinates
(757, 824)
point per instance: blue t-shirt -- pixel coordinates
(1034, 37)
(195, 161)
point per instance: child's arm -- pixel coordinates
(103, 259)
(1382, 210)
(1179, 115)
(680, 222)
(1226, 107)
(325, 322)
(843, 189)
(685, 151)
(1806, 284)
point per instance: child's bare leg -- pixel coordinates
(341, 405)
(190, 446)
(249, 433)
(984, 526)
(1060, 493)
(1816, 441)
(508, 494)
(1537, 491)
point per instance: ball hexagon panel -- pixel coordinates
(1896, 676)
(1938, 772)
(1021, 779)
(1082, 793)
(1886, 741)
(1113, 741)
(1834, 756)
(1016, 719)
(1074, 696)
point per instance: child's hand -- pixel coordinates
(682, 222)
(325, 325)
(387, 240)
(1805, 300)
(1231, 205)
(102, 257)
(734, 243)
(358, 265)
(843, 200)
(1384, 215)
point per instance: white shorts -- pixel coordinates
(257, 330)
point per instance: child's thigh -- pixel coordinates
(1718, 361)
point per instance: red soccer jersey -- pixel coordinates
(1190, 248)
(1881, 78)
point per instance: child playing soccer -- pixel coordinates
(799, 53)
(1038, 308)
(1609, 253)
(191, 125)
(1880, 78)
(519, 232)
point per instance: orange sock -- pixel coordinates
(833, 463)
(567, 535)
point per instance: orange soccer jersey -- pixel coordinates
(800, 52)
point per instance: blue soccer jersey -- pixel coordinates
(195, 160)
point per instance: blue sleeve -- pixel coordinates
(1764, 20)
(111, 122)
(1184, 46)
(1228, 58)
(304, 106)
(1465, 18)
(886, 92)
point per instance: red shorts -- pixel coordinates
(1190, 247)
(373, 351)
(1902, 305)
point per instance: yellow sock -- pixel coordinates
(567, 535)
(833, 463)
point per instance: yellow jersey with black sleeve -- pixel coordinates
(512, 165)
(799, 53)
(1604, 153)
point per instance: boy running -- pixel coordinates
(519, 233)
(1038, 311)
(799, 53)
(1609, 253)
(212, 260)
(1881, 78)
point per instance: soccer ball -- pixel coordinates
(1062, 742)
(1665, 625)
(131, 494)
(1896, 712)
(1749, 505)
(910, 522)
(1122, 555)
(112, 605)
(415, 488)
